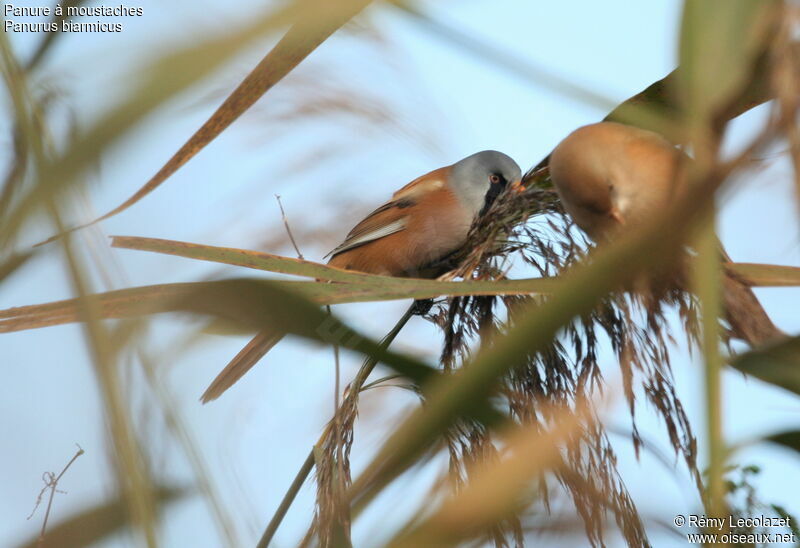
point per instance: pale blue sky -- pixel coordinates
(329, 171)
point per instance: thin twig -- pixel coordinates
(308, 464)
(51, 483)
(337, 417)
(287, 501)
(288, 229)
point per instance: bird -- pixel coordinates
(613, 177)
(411, 235)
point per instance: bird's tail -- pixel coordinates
(241, 364)
(747, 318)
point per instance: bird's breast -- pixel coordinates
(438, 226)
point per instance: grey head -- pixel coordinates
(478, 179)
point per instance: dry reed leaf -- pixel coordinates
(311, 269)
(153, 299)
(145, 300)
(766, 275)
(313, 21)
(757, 275)
(777, 363)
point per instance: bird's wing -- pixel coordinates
(392, 216)
(435, 180)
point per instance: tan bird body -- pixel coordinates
(434, 223)
(613, 177)
(408, 236)
(609, 175)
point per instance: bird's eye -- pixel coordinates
(494, 178)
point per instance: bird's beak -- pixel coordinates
(516, 186)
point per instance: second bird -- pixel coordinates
(612, 177)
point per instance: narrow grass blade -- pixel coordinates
(13, 263)
(241, 257)
(300, 267)
(777, 363)
(153, 299)
(241, 364)
(766, 275)
(789, 440)
(287, 501)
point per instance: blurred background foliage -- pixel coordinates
(555, 406)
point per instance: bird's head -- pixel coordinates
(480, 178)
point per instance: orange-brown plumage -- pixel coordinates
(610, 174)
(435, 222)
(614, 177)
(424, 222)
